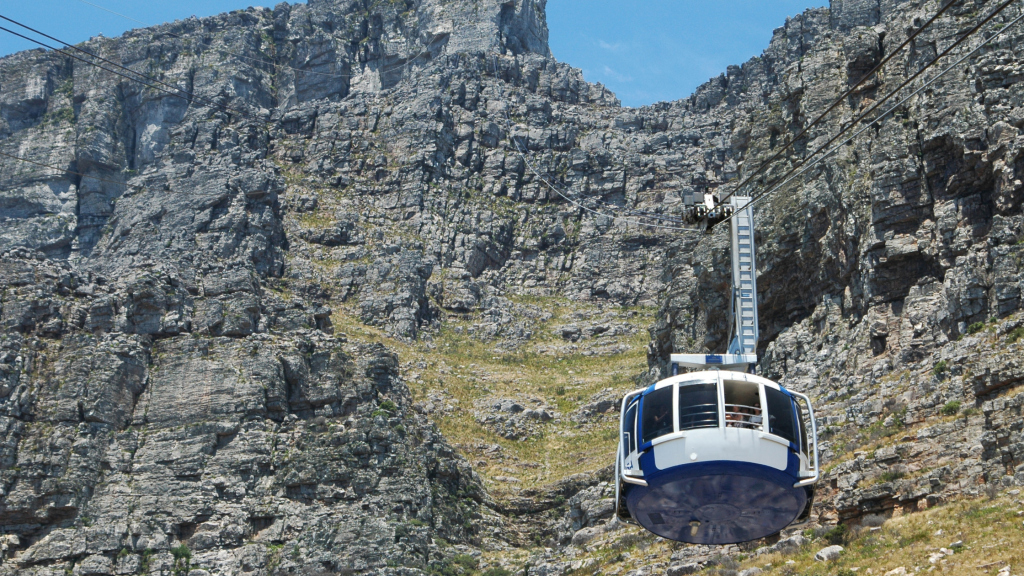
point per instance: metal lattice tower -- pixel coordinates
(744, 278)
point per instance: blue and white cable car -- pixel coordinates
(716, 457)
(721, 455)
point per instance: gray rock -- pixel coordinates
(683, 569)
(167, 347)
(829, 553)
(95, 565)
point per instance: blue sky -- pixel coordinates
(643, 50)
(648, 51)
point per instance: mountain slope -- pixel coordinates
(318, 313)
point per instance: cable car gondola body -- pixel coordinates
(721, 455)
(715, 457)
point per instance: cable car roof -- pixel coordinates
(706, 375)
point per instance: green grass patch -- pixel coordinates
(890, 475)
(950, 408)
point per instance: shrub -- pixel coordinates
(496, 571)
(976, 327)
(560, 391)
(872, 520)
(836, 534)
(918, 536)
(1015, 335)
(950, 408)
(182, 560)
(466, 561)
(890, 475)
(442, 568)
(388, 405)
(940, 368)
(991, 490)
(181, 552)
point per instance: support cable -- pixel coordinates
(873, 123)
(45, 45)
(764, 165)
(66, 171)
(112, 63)
(264, 61)
(178, 94)
(555, 189)
(878, 104)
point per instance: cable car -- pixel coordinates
(720, 455)
(716, 457)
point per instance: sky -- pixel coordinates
(645, 51)
(650, 51)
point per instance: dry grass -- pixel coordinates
(464, 369)
(991, 532)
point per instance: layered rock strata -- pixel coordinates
(177, 393)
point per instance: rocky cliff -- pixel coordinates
(311, 310)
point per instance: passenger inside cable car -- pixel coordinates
(742, 405)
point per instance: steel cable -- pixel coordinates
(150, 78)
(807, 166)
(767, 163)
(79, 58)
(66, 171)
(264, 61)
(555, 189)
(178, 94)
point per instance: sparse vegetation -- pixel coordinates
(147, 559)
(989, 532)
(836, 535)
(891, 475)
(182, 559)
(464, 369)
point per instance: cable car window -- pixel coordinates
(742, 405)
(629, 426)
(657, 414)
(781, 414)
(698, 406)
(803, 427)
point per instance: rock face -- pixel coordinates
(178, 269)
(121, 442)
(889, 278)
